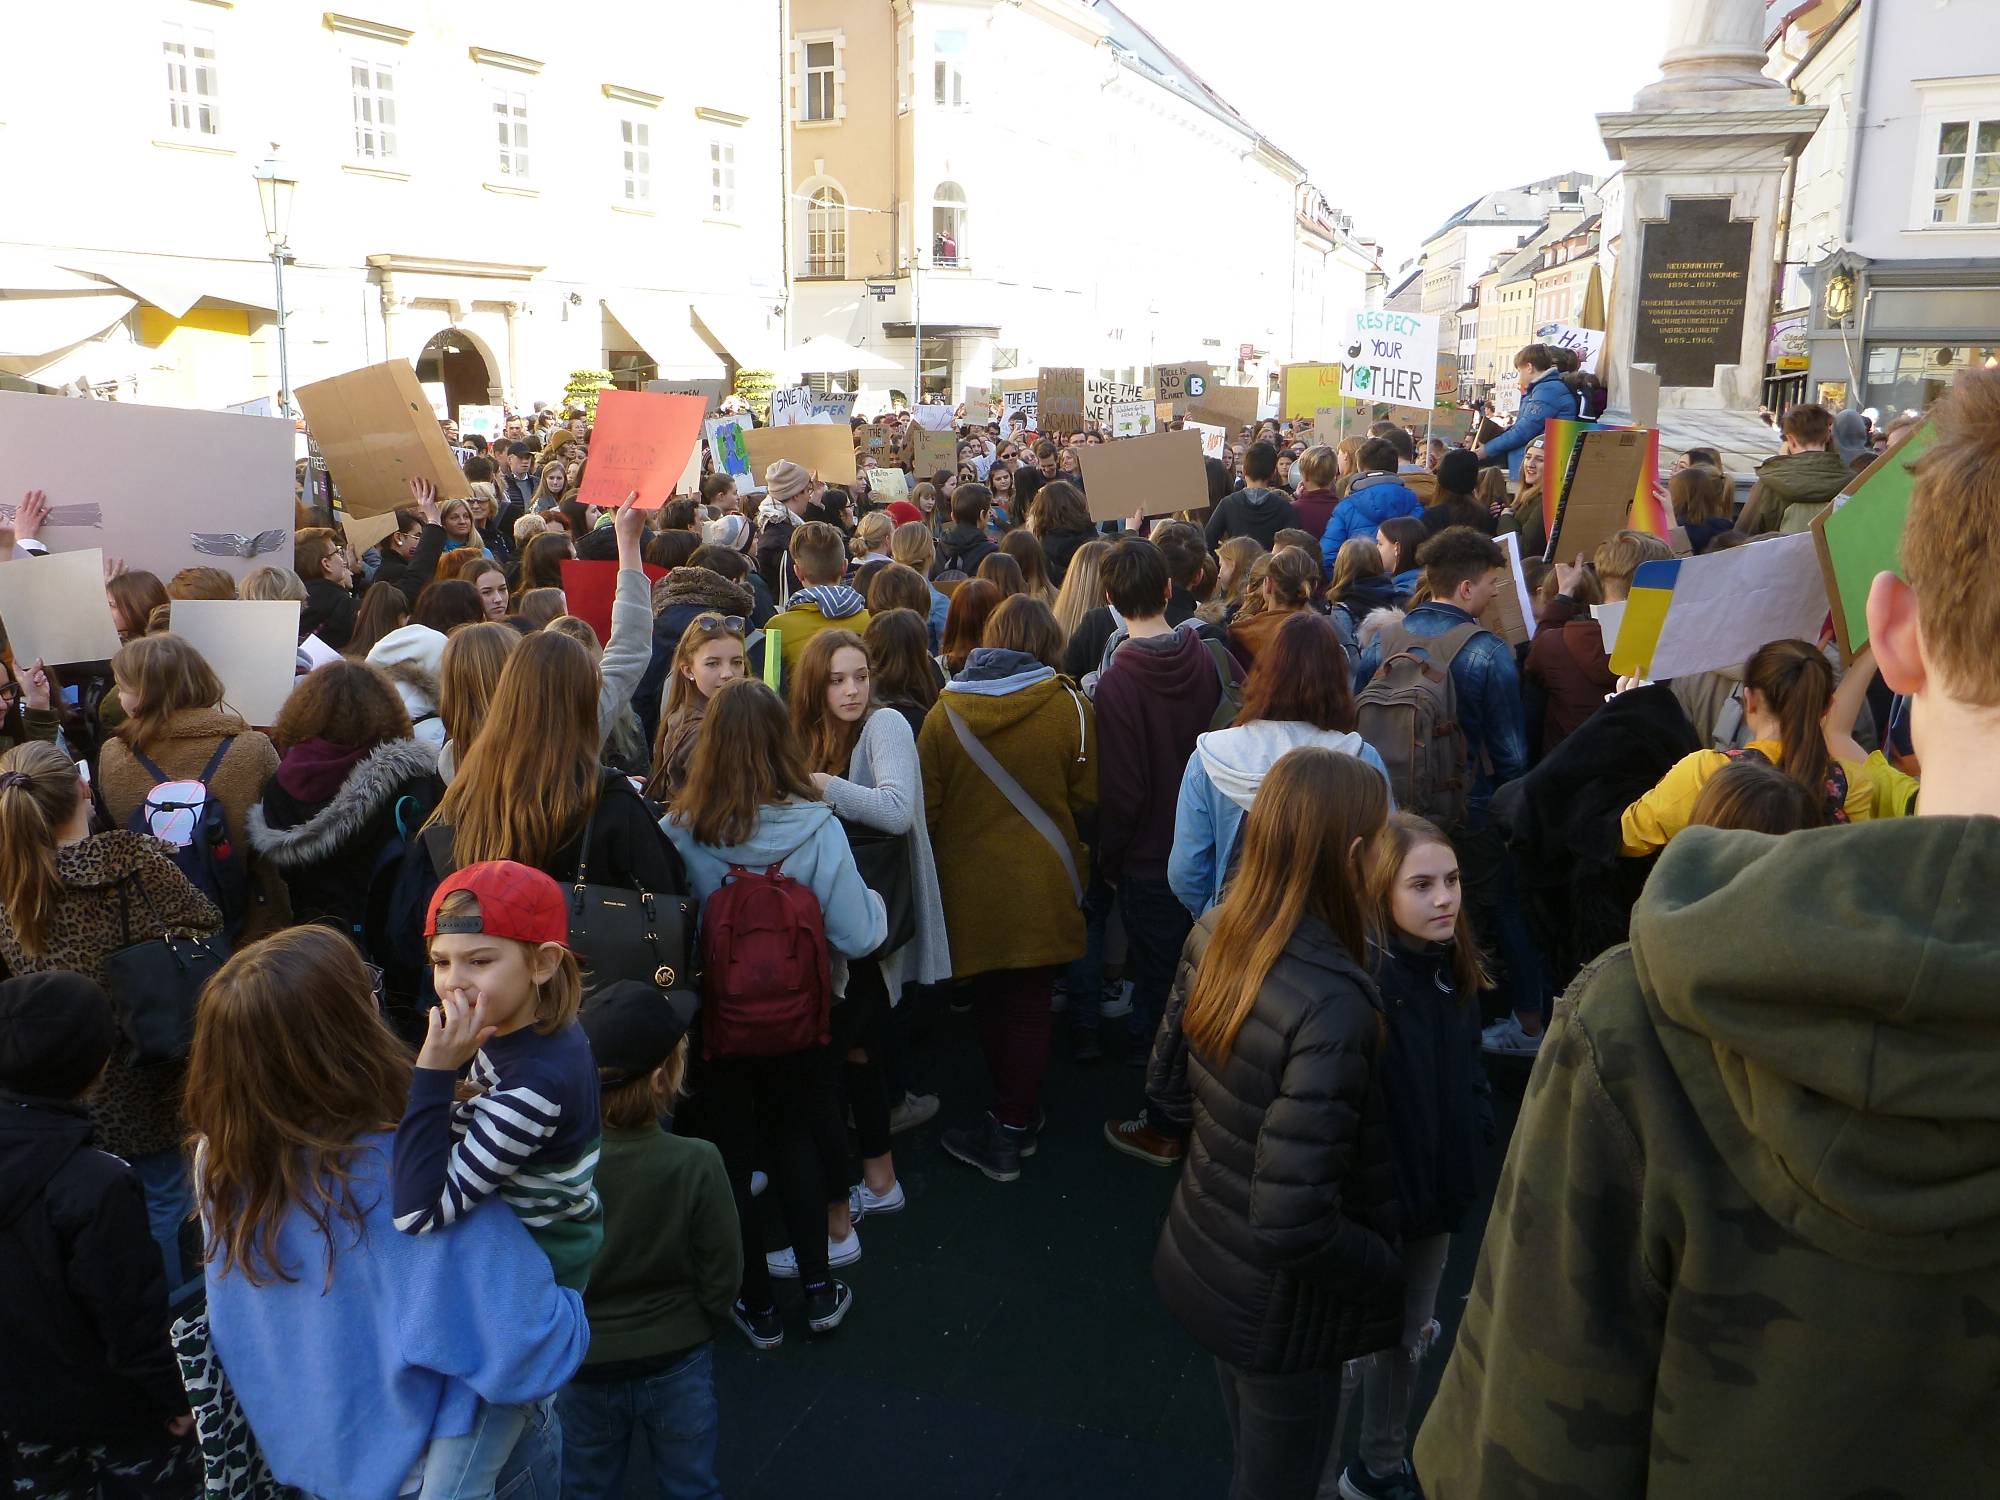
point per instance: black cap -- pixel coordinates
(1458, 471)
(633, 1027)
(56, 1034)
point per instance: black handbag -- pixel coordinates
(618, 933)
(154, 983)
(884, 862)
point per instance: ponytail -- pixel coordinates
(1796, 684)
(38, 789)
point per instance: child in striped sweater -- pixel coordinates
(508, 993)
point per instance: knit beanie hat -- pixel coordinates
(1458, 471)
(56, 1033)
(784, 479)
(730, 531)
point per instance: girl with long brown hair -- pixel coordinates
(905, 677)
(1022, 546)
(467, 674)
(1291, 578)
(750, 803)
(971, 606)
(385, 609)
(710, 655)
(1274, 1248)
(294, 1090)
(133, 596)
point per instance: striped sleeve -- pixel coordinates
(447, 1161)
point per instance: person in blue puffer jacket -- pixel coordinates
(1377, 496)
(1544, 398)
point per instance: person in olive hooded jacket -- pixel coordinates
(1750, 1222)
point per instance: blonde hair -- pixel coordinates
(912, 545)
(30, 813)
(872, 534)
(470, 668)
(1241, 553)
(273, 583)
(1082, 586)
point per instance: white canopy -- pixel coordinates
(828, 355)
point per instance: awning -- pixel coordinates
(98, 361)
(738, 330)
(663, 327)
(174, 284)
(39, 327)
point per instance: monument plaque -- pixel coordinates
(1694, 275)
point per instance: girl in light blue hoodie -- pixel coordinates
(748, 803)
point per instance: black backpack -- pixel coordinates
(192, 826)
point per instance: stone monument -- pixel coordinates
(1704, 149)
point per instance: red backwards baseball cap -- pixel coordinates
(515, 902)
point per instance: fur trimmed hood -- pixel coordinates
(704, 587)
(1376, 622)
(375, 779)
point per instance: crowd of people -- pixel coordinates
(443, 1060)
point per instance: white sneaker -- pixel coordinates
(1507, 1039)
(857, 1206)
(784, 1265)
(1118, 1003)
(888, 1203)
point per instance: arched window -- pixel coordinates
(826, 233)
(948, 225)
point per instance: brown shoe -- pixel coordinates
(1135, 1137)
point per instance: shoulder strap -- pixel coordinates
(1012, 790)
(1453, 641)
(151, 770)
(215, 761)
(439, 839)
(1219, 658)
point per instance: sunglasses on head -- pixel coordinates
(717, 624)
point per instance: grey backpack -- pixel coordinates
(1409, 713)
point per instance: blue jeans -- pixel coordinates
(534, 1471)
(675, 1409)
(1085, 978)
(163, 1177)
(470, 1467)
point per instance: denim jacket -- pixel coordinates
(1548, 399)
(1489, 698)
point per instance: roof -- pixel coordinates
(1526, 204)
(1137, 46)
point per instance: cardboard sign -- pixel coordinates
(375, 429)
(1303, 390)
(1391, 356)
(1511, 615)
(1159, 474)
(1587, 343)
(481, 421)
(1131, 419)
(978, 403)
(710, 392)
(639, 442)
(1213, 439)
(364, 532)
(1019, 404)
(1702, 614)
(932, 416)
(1100, 397)
(824, 450)
(1644, 396)
(1330, 423)
(161, 487)
(1059, 400)
(253, 646)
(1230, 406)
(1177, 385)
(888, 484)
(1163, 413)
(1597, 490)
(1863, 535)
(725, 445)
(590, 588)
(55, 610)
(935, 452)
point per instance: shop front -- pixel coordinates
(1893, 335)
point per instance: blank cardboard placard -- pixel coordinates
(252, 644)
(590, 587)
(639, 443)
(824, 450)
(1597, 491)
(1511, 615)
(1158, 474)
(54, 609)
(375, 428)
(161, 487)
(935, 451)
(1059, 399)
(1863, 536)
(364, 532)
(1229, 406)
(1644, 385)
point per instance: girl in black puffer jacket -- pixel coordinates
(1278, 1252)
(1440, 1120)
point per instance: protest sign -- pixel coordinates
(1131, 418)
(591, 587)
(710, 392)
(888, 484)
(1330, 423)
(252, 645)
(55, 610)
(1507, 397)
(315, 653)
(1159, 474)
(436, 399)
(1597, 489)
(1180, 384)
(1100, 396)
(363, 532)
(1059, 399)
(932, 416)
(725, 445)
(1511, 615)
(1019, 404)
(1229, 406)
(879, 441)
(1644, 397)
(1212, 438)
(826, 451)
(161, 487)
(978, 403)
(1702, 614)
(481, 421)
(1391, 356)
(1304, 389)
(935, 452)
(1585, 343)
(375, 430)
(1163, 413)
(791, 403)
(1863, 535)
(1609, 618)
(639, 442)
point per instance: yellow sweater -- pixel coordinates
(1649, 823)
(800, 623)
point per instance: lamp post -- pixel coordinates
(275, 183)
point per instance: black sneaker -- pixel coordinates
(765, 1330)
(826, 1305)
(990, 1146)
(1084, 1045)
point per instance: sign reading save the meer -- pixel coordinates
(1390, 356)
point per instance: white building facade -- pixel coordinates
(500, 194)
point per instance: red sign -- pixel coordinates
(589, 588)
(639, 442)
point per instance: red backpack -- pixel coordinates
(765, 986)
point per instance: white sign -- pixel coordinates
(440, 405)
(1102, 397)
(1131, 418)
(252, 644)
(1588, 343)
(1507, 396)
(797, 406)
(1019, 404)
(481, 421)
(1390, 356)
(1211, 438)
(934, 416)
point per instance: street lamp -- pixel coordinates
(275, 183)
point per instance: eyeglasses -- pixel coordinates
(710, 625)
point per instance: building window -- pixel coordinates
(948, 68)
(948, 225)
(635, 145)
(936, 362)
(510, 118)
(821, 80)
(722, 174)
(372, 85)
(193, 94)
(826, 233)
(1965, 181)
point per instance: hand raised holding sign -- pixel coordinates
(629, 526)
(28, 520)
(1569, 575)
